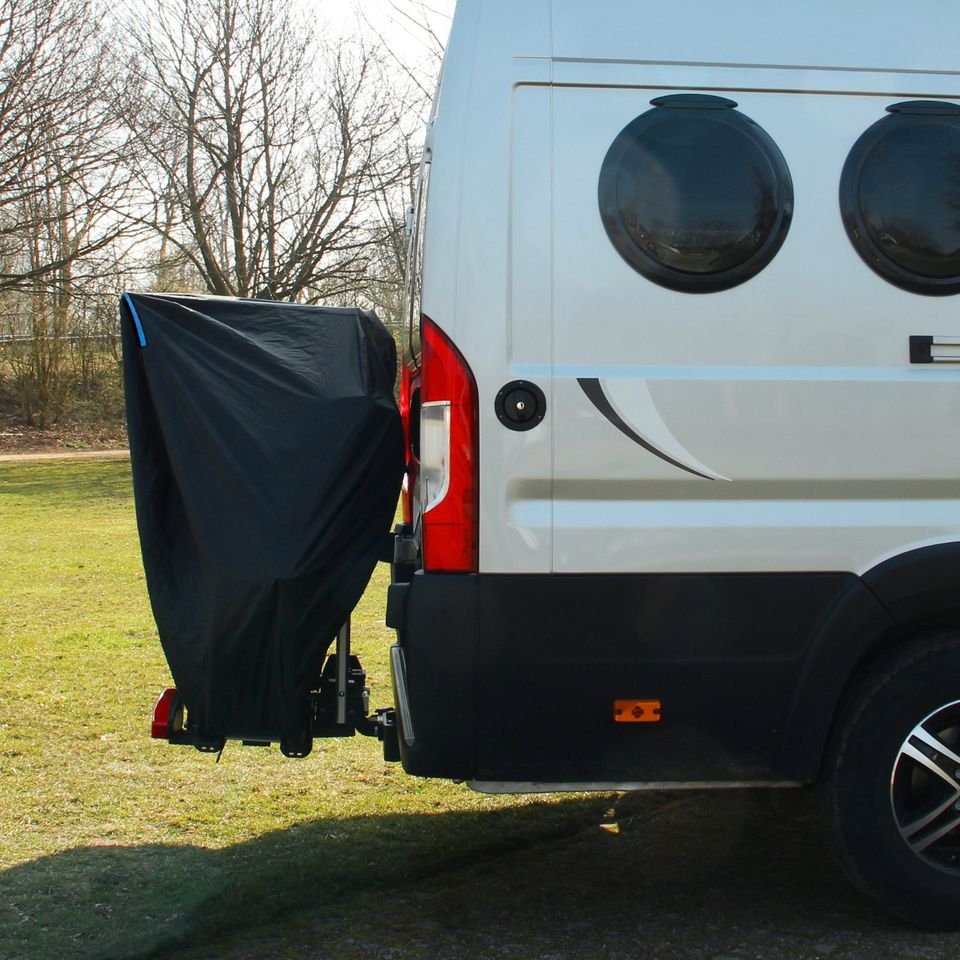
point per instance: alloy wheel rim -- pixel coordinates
(925, 789)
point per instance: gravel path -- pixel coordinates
(63, 455)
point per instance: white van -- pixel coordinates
(682, 409)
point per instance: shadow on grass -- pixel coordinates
(127, 901)
(742, 870)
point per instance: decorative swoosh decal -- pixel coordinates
(593, 389)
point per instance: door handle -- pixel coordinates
(935, 349)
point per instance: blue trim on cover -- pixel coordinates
(136, 320)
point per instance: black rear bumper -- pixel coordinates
(513, 678)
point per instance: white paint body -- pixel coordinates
(827, 450)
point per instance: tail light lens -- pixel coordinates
(449, 455)
(406, 495)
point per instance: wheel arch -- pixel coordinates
(911, 595)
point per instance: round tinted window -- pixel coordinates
(900, 196)
(694, 195)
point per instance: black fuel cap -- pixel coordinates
(520, 405)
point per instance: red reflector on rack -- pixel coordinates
(164, 714)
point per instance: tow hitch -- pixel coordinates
(340, 707)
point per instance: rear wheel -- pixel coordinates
(892, 784)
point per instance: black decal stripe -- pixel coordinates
(591, 387)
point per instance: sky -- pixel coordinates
(385, 17)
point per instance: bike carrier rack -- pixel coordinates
(340, 707)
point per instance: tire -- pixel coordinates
(891, 788)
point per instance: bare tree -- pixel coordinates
(261, 149)
(61, 189)
(46, 319)
(427, 27)
(382, 289)
(59, 142)
(418, 62)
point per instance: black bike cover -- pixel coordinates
(267, 456)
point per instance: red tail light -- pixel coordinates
(406, 399)
(449, 455)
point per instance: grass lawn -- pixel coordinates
(112, 845)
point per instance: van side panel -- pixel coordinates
(806, 440)
(816, 34)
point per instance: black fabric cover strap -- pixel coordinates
(267, 456)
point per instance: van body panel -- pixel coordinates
(767, 384)
(857, 35)
(742, 384)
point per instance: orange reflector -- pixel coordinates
(636, 711)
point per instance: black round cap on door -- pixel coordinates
(520, 405)
(695, 195)
(900, 196)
